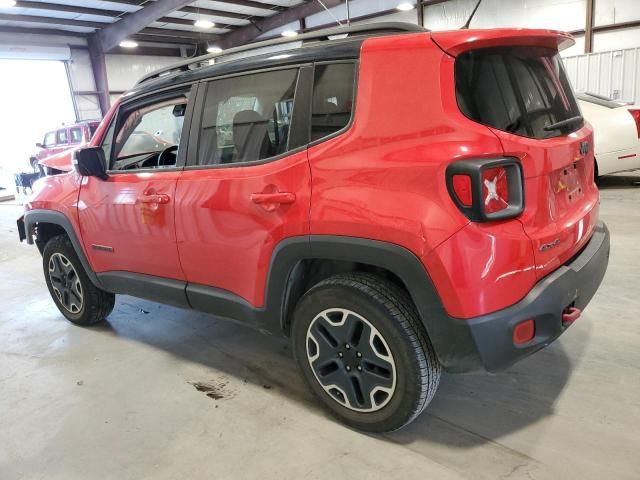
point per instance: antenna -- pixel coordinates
(466, 25)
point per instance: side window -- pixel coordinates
(247, 118)
(61, 137)
(76, 134)
(49, 140)
(333, 88)
(107, 140)
(149, 136)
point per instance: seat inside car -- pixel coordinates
(251, 136)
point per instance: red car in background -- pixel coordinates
(62, 139)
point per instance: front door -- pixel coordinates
(127, 220)
(247, 186)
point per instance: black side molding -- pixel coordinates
(156, 289)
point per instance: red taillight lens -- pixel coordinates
(462, 189)
(487, 189)
(524, 332)
(636, 116)
(495, 189)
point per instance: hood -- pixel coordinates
(62, 161)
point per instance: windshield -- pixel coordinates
(520, 90)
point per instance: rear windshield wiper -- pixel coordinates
(564, 123)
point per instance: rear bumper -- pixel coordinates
(486, 342)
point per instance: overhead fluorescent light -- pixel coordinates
(405, 6)
(204, 24)
(128, 44)
(214, 49)
(289, 33)
(7, 3)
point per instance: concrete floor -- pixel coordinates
(115, 401)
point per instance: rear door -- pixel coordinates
(523, 95)
(127, 220)
(247, 183)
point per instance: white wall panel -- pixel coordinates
(614, 74)
(627, 38)
(608, 12)
(81, 77)
(565, 15)
(123, 71)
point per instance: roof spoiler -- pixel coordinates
(318, 35)
(457, 41)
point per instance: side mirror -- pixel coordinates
(39, 145)
(90, 162)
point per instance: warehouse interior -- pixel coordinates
(157, 391)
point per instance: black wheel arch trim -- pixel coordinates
(451, 338)
(35, 216)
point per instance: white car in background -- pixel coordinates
(616, 131)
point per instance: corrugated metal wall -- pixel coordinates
(614, 74)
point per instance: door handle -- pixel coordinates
(159, 198)
(273, 198)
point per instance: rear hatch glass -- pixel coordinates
(520, 90)
(523, 95)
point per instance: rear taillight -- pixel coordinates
(462, 189)
(486, 190)
(636, 116)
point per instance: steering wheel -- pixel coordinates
(163, 157)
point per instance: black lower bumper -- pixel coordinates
(487, 341)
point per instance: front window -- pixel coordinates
(149, 136)
(49, 140)
(520, 90)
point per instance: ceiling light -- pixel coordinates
(279, 57)
(7, 3)
(128, 44)
(214, 49)
(204, 24)
(289, 33)
(405, 6)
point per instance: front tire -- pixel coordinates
(77, 298)
(364, 352)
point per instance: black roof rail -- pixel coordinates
(318, 35)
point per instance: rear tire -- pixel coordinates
(77, 298)
(364, 352)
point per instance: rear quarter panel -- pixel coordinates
(384, 178)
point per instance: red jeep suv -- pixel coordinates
(63, 139)
(394, 200)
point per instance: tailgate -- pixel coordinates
(514, 83)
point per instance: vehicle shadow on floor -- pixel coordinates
(468, 409)
(624, 181)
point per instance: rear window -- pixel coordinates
(520, 90)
